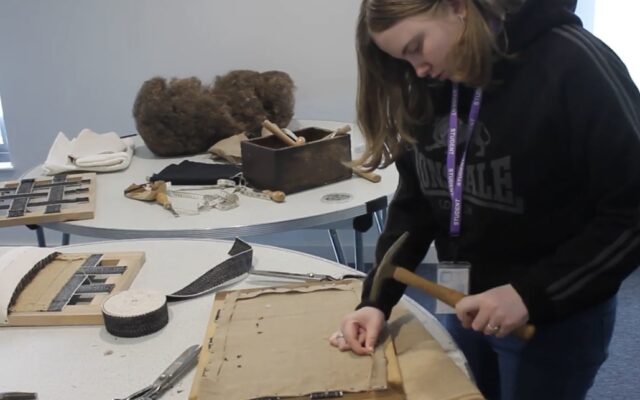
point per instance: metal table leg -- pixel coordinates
(42, 242)
(39, 235)
(375, 211)
(337, 246)
(379, 218)
(358, 253)
(361, 224)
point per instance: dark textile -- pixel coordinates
(195, 173)
(565, 355)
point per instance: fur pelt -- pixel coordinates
(183, 116)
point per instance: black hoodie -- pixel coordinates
(551, 200)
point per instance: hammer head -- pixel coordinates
(385, 269)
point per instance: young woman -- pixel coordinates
(530, 127)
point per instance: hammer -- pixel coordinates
(387, 270)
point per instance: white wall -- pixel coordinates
(67, 65)
(585, 10)
(616, 22)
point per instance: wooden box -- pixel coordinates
(268, 163)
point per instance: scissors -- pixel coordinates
(183, 364)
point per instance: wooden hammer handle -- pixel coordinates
(448, 296)
(343, 130)
(368, 175)
(275, 195)
(275, 129)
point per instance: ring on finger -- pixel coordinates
(493, 328)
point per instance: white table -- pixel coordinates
(117, 217)
(86, 362)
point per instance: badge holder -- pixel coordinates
(454, 275)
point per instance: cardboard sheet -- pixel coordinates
(427, 371)
(274, 342)
(14, 265)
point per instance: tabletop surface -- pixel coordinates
(86, 362)
(117, 217)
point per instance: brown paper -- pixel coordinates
(276, 344)
(427, 372)
(43, 288)
(229, 148)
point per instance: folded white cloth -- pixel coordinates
(90, 151)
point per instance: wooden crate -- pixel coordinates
(268, 163)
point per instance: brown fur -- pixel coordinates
(183, 116)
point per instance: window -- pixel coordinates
(5, 162)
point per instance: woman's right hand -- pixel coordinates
(359, 331)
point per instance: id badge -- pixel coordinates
(454, 275)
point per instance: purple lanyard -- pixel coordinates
(454, 180)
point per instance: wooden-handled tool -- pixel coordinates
(343, 130)
(156, 191)
(387, 270)
(275, 129)
(368, 175)
(275, 195)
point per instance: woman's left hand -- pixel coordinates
(497, 311)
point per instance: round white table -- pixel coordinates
(86, 362)
(118, 217)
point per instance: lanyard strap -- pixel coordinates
(454, 180)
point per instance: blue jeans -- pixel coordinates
(559, 363)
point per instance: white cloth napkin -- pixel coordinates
(90, 151)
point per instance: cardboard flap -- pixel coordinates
(15, 265)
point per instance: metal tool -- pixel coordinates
(387, 270)
(183, 364)
(305, 276)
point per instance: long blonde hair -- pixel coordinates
(392, 101)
